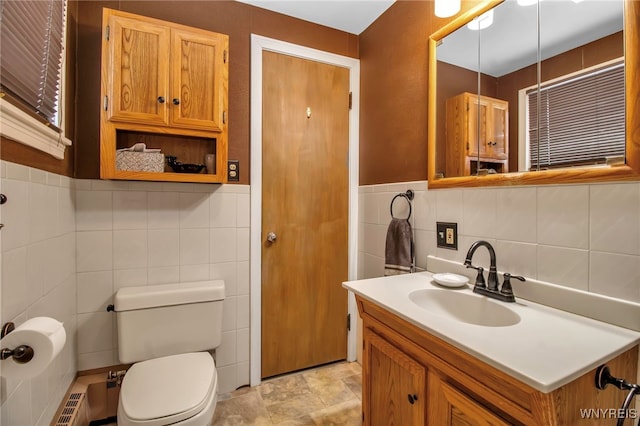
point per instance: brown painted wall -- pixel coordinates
(394, 78)
(238, 20)
(393, 103)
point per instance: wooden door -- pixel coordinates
(138, 71)
(305, 135)
(199, 68)
(451, 407)
(394, 391)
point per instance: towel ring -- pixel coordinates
(407, 196)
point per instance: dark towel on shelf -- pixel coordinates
(399, 248)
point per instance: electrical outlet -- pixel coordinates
(447, 235)
(233, 171)
(449, 239)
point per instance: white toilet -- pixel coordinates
(165, 330)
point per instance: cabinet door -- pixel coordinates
(451, 407)
(395, 390)
(198, 72)
(477, 113)
(497, 130)
(137, 71)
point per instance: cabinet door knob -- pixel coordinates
(176, 101)
(412, 398)
(160, 99)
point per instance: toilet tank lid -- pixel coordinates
(151, 296)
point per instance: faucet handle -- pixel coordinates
(506, 285)
(480, 276)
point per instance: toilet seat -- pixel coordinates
(167, 390)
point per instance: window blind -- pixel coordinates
(31, 33)
(581, 120)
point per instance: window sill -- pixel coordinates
(22, 128)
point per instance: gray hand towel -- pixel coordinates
(399, 248)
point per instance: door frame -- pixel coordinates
(258, 45)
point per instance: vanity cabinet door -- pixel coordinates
(450, 406)
(394, 392)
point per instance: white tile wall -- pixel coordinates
(38, 260)
(68, 245)
(580, 236)
(100, 236)
(141, 233)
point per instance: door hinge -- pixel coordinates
(350, 100)
(348, 322)
(224, 117)
(105, 103)
(107, 31)
(224, 56)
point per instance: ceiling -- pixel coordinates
(511, 42)
(352, 16)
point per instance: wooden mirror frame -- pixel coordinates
(627, 172)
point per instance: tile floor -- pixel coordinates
(327, 395)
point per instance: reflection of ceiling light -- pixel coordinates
(482, 21)
(529, 2)
(446, 8)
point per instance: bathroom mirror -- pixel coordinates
(489, 136)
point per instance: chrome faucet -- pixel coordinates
(491, 288)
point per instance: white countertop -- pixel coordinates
(547, 349)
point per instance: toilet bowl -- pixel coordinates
(178, 389)
(166, 332)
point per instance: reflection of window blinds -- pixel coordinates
(582, 120)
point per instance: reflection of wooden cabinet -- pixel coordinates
(398, 396)
(477, 135)
(460, 389)
(164, 84)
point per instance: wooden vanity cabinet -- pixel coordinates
(399, 396)
(477, 134)
(165, 79)
(451, 387)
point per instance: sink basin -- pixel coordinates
(465, 307)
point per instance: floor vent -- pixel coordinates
(70, 410)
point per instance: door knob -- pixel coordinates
(271, 237)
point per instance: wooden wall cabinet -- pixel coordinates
(410, 377)
(166, 85)
(477, 135)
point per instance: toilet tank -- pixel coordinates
(168, 319)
